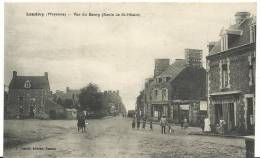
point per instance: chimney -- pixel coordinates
(14, 74)
(211, 45)
(193, 57)
(160, 66)
(46, 74)
(240, 16)
(67, 89)
(117, 92)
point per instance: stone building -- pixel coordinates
(231, 75)
(176, 90)
(27, 96)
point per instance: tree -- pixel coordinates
(91, 98)
(68, 103)
(5, 100)
(59, 101)
(139, 102)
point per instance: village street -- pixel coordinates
(114, 138)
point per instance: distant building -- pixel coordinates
(176, 90)
(113, 102)
(231, 75)
(27, 96)
(70, 94)
(71, 114)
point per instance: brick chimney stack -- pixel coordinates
(193, 57)
(211, 45)
(14, 74)
(46, 74)
(241, 16)
(160, 66)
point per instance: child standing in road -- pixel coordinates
(144, 123)
(151, 125)
(170, 129)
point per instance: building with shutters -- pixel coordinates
(176, 90)
(28, 97)
(231, 75)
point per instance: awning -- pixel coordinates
(225, 93)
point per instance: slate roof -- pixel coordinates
(37, 82)
(237, 40)
(173, 70)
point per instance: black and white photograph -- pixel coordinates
(129, 80)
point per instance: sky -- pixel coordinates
(116, 53)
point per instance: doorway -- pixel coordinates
(231, 116)
(250, 116)
(218, 113)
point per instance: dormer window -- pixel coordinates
(224, 42)
(252, 33)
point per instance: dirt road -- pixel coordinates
(114, 138)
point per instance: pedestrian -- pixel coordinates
(181, 122)
(222, 124)
(144, 123)
(207, 127)
(163, 123)
(170, 129)
(185, 123)
(151, 125)
(202, 124)
(138, 123)
(133, 123)
(218, 129)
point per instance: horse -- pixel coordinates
(81, 124)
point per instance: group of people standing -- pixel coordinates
(137, 121)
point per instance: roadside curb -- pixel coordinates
(216, 135)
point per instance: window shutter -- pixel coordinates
(220, 74)
(228, 72)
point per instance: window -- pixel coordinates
(224, 42)
(251, 71)
(27, 84)
(224, 74)
(160, 80)
(253, 33)
(155, 93)
(164, 94)
(20, 98)
(164, 79)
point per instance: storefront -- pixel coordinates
(159, 110)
